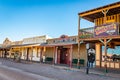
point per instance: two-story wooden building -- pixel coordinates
(106, 33)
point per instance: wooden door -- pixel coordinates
(58, 56)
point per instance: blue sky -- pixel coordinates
(28, 18)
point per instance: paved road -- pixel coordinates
(9, 73)
(50, 72)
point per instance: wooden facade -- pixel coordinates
(28, 49)
(62, 50)
(101, 17)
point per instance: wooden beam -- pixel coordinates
(71, 53)
(97, 10)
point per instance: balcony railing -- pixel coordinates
(109, 29)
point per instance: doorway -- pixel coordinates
(64, 56)
(28, 50)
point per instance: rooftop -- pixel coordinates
(95, 13)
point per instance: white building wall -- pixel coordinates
(35, 57)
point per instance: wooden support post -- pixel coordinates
(105, 13)
(78, 64)
(54, 55)
(105, 51)
(32, 53)
(71, 52)
(25, 53)
(40, 54)
(105, 42)
(44, 50)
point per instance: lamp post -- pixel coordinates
(87, 69)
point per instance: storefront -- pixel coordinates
(106, 33)
(63, 50)
(28, 49)
(5, 48)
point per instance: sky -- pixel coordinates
(29, 18)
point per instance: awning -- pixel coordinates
(57, 44)
(26, 45)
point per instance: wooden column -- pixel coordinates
(105, 51)
(43, 54)
(40, 54)
(21, 52)
(105, 42)
(105, 13)
(71, 52)
(10, 52)
(32, 53)
(98, 54)
(54, 55)
(78, 65)
(25, 53)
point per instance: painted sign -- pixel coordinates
(39, 39)
(106, 30)
(85, 35)
(62, 40)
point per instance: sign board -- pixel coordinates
(39, 39)
(109, 29)
(63, 40)
(84, 34)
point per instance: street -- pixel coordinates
(7, 73)
(10, 70)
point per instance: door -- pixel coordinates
(58, 56)
(64, 56)
(27, 54)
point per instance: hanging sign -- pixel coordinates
(106, 30)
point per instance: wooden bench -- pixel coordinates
(81, 61)
(48, 59)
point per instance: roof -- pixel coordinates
(58, 44)
(92, 14)
(34, 44)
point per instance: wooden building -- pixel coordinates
(63, 50)
(28, 49)
(106, 33)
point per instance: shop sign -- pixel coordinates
(39, 39)
(62, 40)
(85, 35)
(106, 30)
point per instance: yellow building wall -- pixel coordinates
(83, 53)
(49, 52)
(112, 18)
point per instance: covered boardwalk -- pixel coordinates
(105, 35)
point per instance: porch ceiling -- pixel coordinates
(93, 14)
(115, 40)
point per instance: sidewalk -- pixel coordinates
(97, 71)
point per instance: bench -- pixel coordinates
(81, 61)
(49, 59)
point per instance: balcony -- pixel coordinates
(105, 30)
